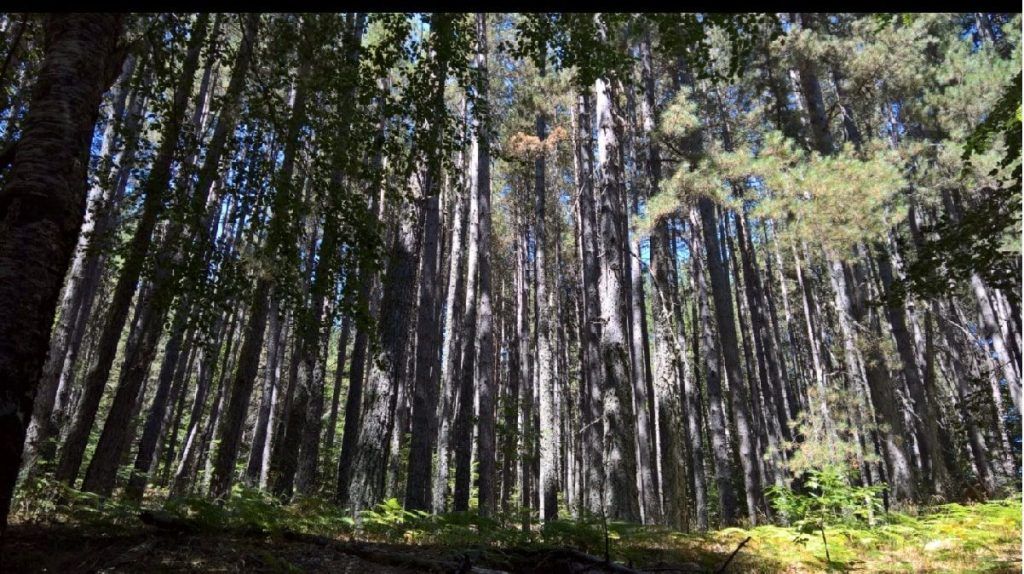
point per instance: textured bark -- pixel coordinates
(41, 207)
(462, 441)
(259, 454)
(487, 381)
(386, 369)
(451, 346)
(620, 462)
(593, 421)
(367, 298)
(767, 346)
(424, 407)
(764, 439)
(922, 405)
(153, 191)
(1006, 364)
(725, 323)
(643, 392)
(898, 467)
(548, 484)
(708, 351)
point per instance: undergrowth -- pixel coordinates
(982, 537)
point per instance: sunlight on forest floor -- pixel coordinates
(951, 538)
(83, 533)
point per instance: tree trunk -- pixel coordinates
(451, 350)
(545, 358)
(259, 453)
(725, 322)
(424, 408)
(145, 458)
(41, 207)
(485, 329)
(386, 369)
(339, 373)
(593, 421)
(708, 349)
(620, 463)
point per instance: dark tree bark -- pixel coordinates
(146, 455)
(593, 420)
(485, 327)
(83, 277)
(41, 207)
(424, 407)
(259, 454)
(451, 347)
(386, 369)
(708, 351)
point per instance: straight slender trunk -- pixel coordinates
(424, 408)
(451, 350)
(643, 391)
(259, 453)
(145, 457)
(708, 350)
(725, 322)
(593, 419)
(620, 462)
(339, 373)
(545, 358)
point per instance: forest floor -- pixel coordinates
(948, 538)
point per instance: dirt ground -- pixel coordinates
(63, 550)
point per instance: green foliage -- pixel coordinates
(828, 499)
(42, 499)
(984, 237)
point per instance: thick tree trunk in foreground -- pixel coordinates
(387, 367)
(41, 208)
